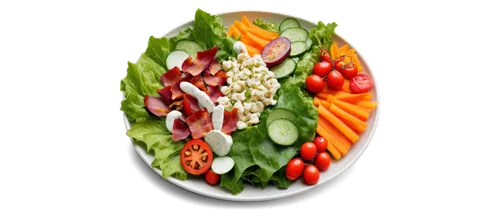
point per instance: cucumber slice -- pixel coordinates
(283, 132)
(296, 59)
(284, 69)
(280, 113)
(288, 23)
(176, 58)
(295, 34)
(309, 43)
(298, 48)
(222, 165)
(189, 46)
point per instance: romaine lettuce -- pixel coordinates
(322, 34)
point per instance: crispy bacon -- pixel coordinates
(214, 66)
(214, 93)
(156, 106)
(198, 82)
(219, 79)
(180, 130)
(230, 120)
(190, 105)
(166, 94)
(170, 77)
(202, 61)
(200, 123)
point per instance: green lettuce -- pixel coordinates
(155, 136)
(269, 26)
(209, 31)
(322, 34)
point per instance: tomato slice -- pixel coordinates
(361, 83)
(196, 157)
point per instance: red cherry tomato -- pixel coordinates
(196, 157)
(211, 178)
(321, 144)
(315, 83)
(324, 55)
(308, 151)
(322, 161)
(349, 71)
(339, 63)
(294, 169)
(361, 83)
(335, 80)
(322, 68)
(311, 175)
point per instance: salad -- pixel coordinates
(258, 102)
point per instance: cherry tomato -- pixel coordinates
(196, 157)
(324, 55)
(311, 175)
(335, 80)
(339, 63)
(321, 144)
(315, 83)
(211, 178)
(308, 151)
(349, 71)
(294, 169)
(361, 83)
(322, 68)
(322, 161)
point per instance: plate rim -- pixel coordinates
(231, 197)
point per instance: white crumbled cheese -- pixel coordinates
(251, 87)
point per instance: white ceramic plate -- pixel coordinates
(251, 193)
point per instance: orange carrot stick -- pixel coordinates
(367, 104)
(352, 98)
(267, 35)
(330, 145)
(353, 122)
(334, 120)
(234, 32)
(355, 110)
(256, 39)
(322, 95)
(246, 21)
(334, 132)
(317, 101)
(252, 50)
(250, 42)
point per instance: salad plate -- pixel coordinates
(181, 99)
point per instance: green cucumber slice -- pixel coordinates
(284, 69)
(189, 46)
(288, 23)
(176, 58)
(298, 48)
(283, 132)
(295, 34)
(309, 43)
(280, 113)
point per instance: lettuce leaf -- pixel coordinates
(155, 136)
(269, 26)
(209, 31)
(159, 48)
(322, 34)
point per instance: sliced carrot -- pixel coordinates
(355, 123)
(343, 50)
(241, 27)
(267, 35)
(252, 50)
(345, 87)
(246, 21)
(331, 142)
(367, 104)
(234, 32)
(352, 98)
(354, 110)
(317, 101)
(250, 42)
(230, 31)
(334, 120)
(334, 132)
(334, 50)
(258, 40)
(322, 95)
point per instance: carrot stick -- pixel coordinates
(345, 87)
(352, 98)
(330, 145)
(355, 110)
(241, 27)
(367, 104)
(234, 32)
(340, 140)
(256, 39)
(267, 35)
(250, 42)
(317, 101)
(334, 120)
(334, 132)
(251, 50)
(334, 50)
(322, 95)
(353, 122)
(246, 21)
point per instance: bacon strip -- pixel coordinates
(198, 82)
(219, 79)
(170, 77)
(214, 66)
(200, 123)
(214, 93)
(230, 120)
(166, 94)
(180, 129)
(156, 106)
(202, 61)
(190, 105)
